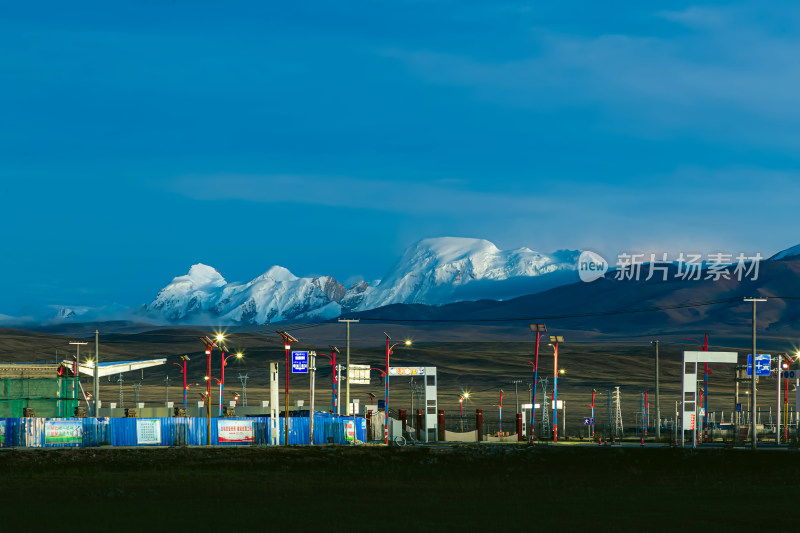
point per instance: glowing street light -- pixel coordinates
(237, 355)
(287, 340)
(182, 366)
(386, 384)
(538, 329)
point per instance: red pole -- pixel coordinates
(184, 384)
(221, 382)
(441, 426)
(555, 391)
(288, 347)
(501, 412)
(519, 427)
(386, 396)
(333, 366)
(593, 414)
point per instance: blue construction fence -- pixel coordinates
(174, 431)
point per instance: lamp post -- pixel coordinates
(287, 340)
(386, 404)
(209, 345)
(593, 392)
(237, 355)
(208, 379)
(538, 329)
(334, 381)
(461, 409)
(182, 366)
(554, 340)
(386, 384)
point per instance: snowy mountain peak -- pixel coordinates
(437, 271)
(202, 277)
(278, 273)
(449, 249)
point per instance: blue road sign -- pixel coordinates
(588, 421)
(299, 362)
(790, 374)
(762, 364)
(738, 408)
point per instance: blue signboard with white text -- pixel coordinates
(299, 362)
(762, 364)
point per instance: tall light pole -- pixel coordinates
(182, 366)
(753, 375)
(658, 405)
(538, 329)
(75, 364)
(237, 355)
(348, 375)
(386, 384)
(593, 393)
(332, 359)
(554, 340)
(287, 340)
(96, 377)
(210, 344)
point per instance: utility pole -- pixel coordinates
(287, 340)
(753, 404)
(516, 383)
(166, 390)
(348, 375)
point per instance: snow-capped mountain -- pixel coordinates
(449, 269)
(433, 271)
(274, 296)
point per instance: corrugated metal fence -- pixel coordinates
(176, 431)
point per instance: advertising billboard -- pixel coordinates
(235, 431)
(63, 432)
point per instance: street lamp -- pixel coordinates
(386, 383)
(209, 345)
(237, 355)
(208, 379)
(538, 329)
(554, 340)
(182, 366)
(287, 340)
(334, 382)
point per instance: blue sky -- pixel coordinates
(138, 138)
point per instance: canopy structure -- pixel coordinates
(118, 367)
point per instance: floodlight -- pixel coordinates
(538, 327)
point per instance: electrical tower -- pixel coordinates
(243, 379)
(136, 388)
(609, 415)
(119, 380)
(618, 429)
(545, 408)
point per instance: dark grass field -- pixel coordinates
(465, 488)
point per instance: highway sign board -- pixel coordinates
(588, 421)
(789, 374)
(299, 362)
(762, 364)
